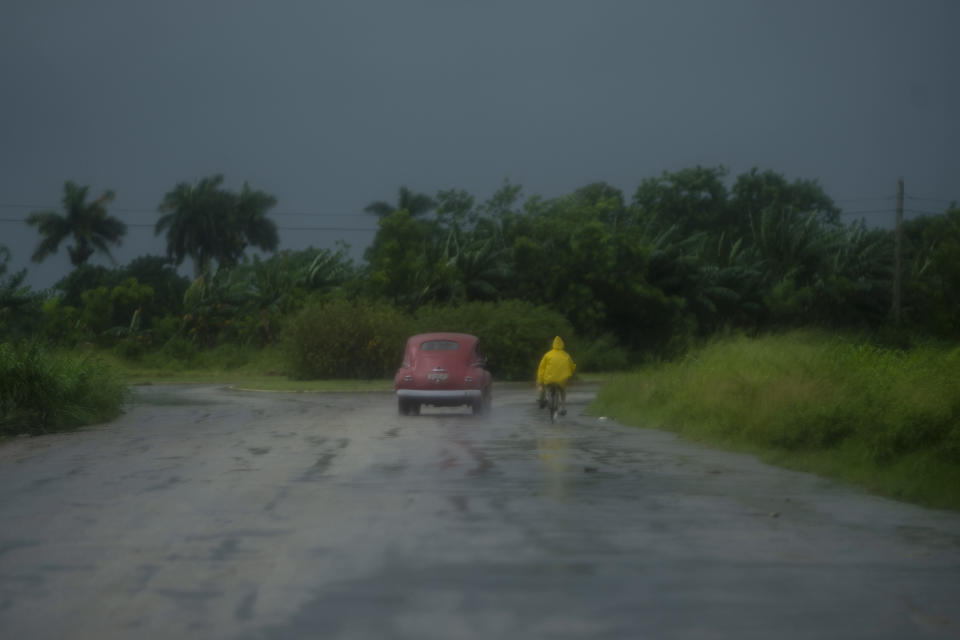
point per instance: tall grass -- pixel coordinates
(42, 392)
(885, 419)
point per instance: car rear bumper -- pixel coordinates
(426, 395)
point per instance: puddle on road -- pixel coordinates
(166, 484)
(392, 468)
(169, 399)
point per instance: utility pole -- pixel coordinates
(896, 254)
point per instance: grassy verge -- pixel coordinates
(264, 369)
(245, 368)
(42, 392)
(888, 421)
(253, 382)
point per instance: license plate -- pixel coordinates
(437, 377)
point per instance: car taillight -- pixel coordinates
(408, 378)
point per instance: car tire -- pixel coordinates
(482, 406)
(408, 407)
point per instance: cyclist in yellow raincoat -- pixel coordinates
(556, 367)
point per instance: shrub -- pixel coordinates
(180, 350)
(599, 354)
(166, 328)
(132, 347)
(224, 357)
(342, 339)
(61, 323)
(41, 392)
(514, 334)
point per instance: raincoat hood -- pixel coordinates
(558, 343)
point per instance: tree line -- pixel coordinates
(682, 258)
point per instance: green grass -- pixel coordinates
(41, 391)
(244, 368)
(253, 382)
(886, 420)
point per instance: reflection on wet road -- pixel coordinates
(210, 513)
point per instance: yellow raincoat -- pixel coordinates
(556, 366)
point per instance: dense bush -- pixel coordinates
(341, 339)
(600, 354)
(513, 334)
(167, 288)
(60, 324)
(108, 313)
(41, 392)
(179, 350)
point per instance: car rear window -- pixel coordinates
(440, 345)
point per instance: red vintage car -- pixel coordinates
(442, 370)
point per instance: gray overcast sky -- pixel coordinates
(330, 105)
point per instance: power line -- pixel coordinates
(319, 214)
(929, 199)
(866, 212)
(927, 213)
(865, 199)
(138, 225)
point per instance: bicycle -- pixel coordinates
(553, 401)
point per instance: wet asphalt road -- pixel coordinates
(210, 513)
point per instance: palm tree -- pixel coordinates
(415, 203)
(192, 215)
(251, 226)
(88, 222)
(206, 222)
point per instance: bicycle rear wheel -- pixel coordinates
(553, 402)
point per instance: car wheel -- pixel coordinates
(408, 407)
(482, 405)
